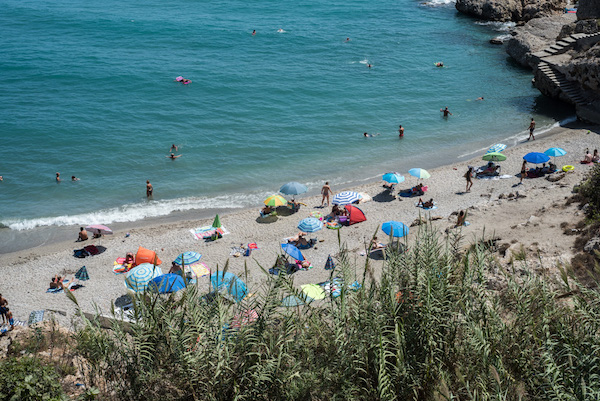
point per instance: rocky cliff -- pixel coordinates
(510, 10)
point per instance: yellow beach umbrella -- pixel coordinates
(275, 201)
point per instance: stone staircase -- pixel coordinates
(566, 44)
(570, 89)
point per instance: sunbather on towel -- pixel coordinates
(425, 205)
(418, 190)
(375, 244)
(56, 281)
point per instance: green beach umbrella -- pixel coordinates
(217, 222)
(275, 201)
(494, 157)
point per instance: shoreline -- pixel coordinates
(14, 240)
(26, 273)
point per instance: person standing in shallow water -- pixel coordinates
(149, 189)
(401, 132)
(531, 128)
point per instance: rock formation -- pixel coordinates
(510, 10)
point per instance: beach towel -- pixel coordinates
(426, 208)
(92, 249)
(35, 316)
(494, 177)
(80, 253)
(208, 231)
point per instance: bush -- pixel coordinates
(27, 379)
(590, 190)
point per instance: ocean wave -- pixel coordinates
(139, 211)
(498, 25)
(437, 3)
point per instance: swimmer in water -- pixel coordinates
(369, 65)
(439, 64)
(347, 40)
(57, 177)
(446, 111)
(366, 135)
(173, 148)
(73, 178)
(254, 32)
(172, 156)
(186, 81)
(280, 30)
(401, 131)
(479, 98)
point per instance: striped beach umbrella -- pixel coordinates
(393, 178)
(345, 198)
(329, 265)
(82, 274)
(139, 277)
(396, 228)
(499, 147)
(275, 201)
(245, 318)
(310, 225)
(189, 258)
(99, 228)
(293, 188)
(419, 173)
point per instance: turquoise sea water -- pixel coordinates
(87, 89)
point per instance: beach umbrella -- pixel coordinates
(99, 228)
(345, 198)
(293, 188)
(229, 285)
(313, 291)
(216, 222)
(536, 158)
(419, 173)
(82, 274)
(499, 147)
(244, 318)
(394, 178)
(293, 300)
(166, 283)
(555, 152)
(189, 258)
(139, 277)
(310, 225)
(494, 157)
(396, 228)
(329, 265)
(292, 251)
(275, 201)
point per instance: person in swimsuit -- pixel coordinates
(446, 111)
(325, 191)
(523, 171)
(3, 308)
(83, 235)
(253, 32)
(73, 178)
(57, 177)
(469, 176)
(173, 157)
(531, 128)
(173, 148)
(149, 189)
(401, 131)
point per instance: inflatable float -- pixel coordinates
(568, 168)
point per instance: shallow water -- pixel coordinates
(87, 89)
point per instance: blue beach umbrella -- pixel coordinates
(555, 152)
(536, 158)
(139, 277)
(229, 285)
(499, 147)
(292, 251)
(167, 283)
(310, 225)
(345, 198)
(189, 258)
(393, 178)
(293, 188)
(397, 228)
(419, 173)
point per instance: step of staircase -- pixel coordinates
(569, 88)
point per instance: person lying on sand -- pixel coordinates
(375, 244)
(57, 281)
(297, 238)
(425, 205)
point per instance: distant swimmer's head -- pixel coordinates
(366, 135)
(254, 32)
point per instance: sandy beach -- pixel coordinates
(529, 215)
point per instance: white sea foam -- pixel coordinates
(497, 25)
(437, 3)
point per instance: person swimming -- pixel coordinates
(253, 32)
(367, 135)
(439, 64)
(173, 157)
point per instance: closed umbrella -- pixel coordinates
(494, 157)
(292, 251)
(396, 228)
(216, 222)
(310, 225)
(139, 277)
(536, 158)
(189, 258)
(82, 274)
(393, 178)
(275, 201)
(345, 198)
(329, 265)
(99, 229)
(419, 173)
(293, 188)
(499, 147)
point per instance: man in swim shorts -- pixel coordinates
(83, 235)
(531, 128)
(149, 189)
(401, 131)
(325, 191)
(446, 111)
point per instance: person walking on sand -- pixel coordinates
(469, 176)
(325, 191)
(446, 112)
(523, 171)
(400, 131)
(531, 128)
(149, 189)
